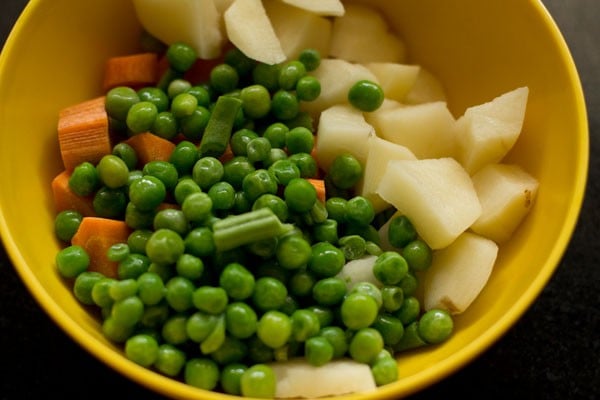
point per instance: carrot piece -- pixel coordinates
(135, 70)
(66, 199)
(83, 133)
(150, 147)
(96, 235)
(227, 155)
(319, 185)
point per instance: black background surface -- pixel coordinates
(553, 352)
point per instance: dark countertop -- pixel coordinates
(553, 352)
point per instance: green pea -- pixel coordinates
(326, 260)
(237, 281)
(258, 149)
(126, 153)
(189, 266)
(137, 219)
(300, 195)
(197, 206)
(151, 289)
(165, 125)
(240, 320)
(274, 328)
(305, 324)
(142, 349)
(163, 170)
(164, 246)
(336, 208)
(345, 171)
(390, 328)
(318, 351)
(127, 311)
(137, 240)
(119, 100)
(179, 293)
(181, 56)
(329, 291)
(274, 155)
(241, 203)
(369, 289)
(84, 284)
(308, 88)
(435, 326)
(199, 326)
(257, 183)
(258, 381)
(299, 140)
(147, 193)
(390, 268)
(366, 95)
(409, 284)
(305, 163)
(224, 78)
(100, 292)
(418, 255)
(174, 329)
(276, 133)
(115, 331)
(155, 95)
(207, 171)
(311, 58)
(256, 101)
(222, 195)
(232, 350)
(236, 169)
(359, 211)
(132, 266)
(269, 294)
(293, 252)
(411, 338)
(337, 338)
(194, 125)
(365, 345)
(72, 261)
(199, 242)
(231, 376)
(284, 105)
(210, 299)
(266, 75)
(384, 369)
(290, 73)
(170, 360)
(173, 219)
(326, 231)
(274, 203)
(202, 373)
(358, 311)
(353, 246)
(409, 310)
(184, 104)
(392, 298)
(324, 314)
(202, 94)
(301, 283)
(184, 188)
(141, 116)
(401, 231)
(84, 179)
(110, 203)
(66, 224)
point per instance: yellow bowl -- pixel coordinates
(479, 49)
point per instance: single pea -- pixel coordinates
(308, 88)
(154, 95)
(401, 231)
(179, 292)
(370, 289)
(199, 242)
(366, 95)
(164, 246)
(137, 240)
(141, 116)
(184, 188)
(210, 299)
(336, 208)
(241, 320)
(178, 86)
(358, 311)
(257, 183)
(337, 338)
(222, 195)
(365, 345)
(134, 175)
(299, 140)
(66, 224)
(72, 261)
(293, 252)
(224, 78)
(207, 171)
(173, 219)
(436, 326)
(258, 381)
(236, 169)
(345, 171)
(151, 289)
(142, 349)
(83, 285)
(275, 154)
(359, 211)
(241, 62)
(266, 75)
(113, 171)
(119, 100)
(181, 56)
(232, 350)
(353, 246)
(290, 73)
(326, 260)
(202, 373)
(301, 283)
(305, 163)
(110, 203)
(274, 203)
(155, 316)
(163, 170)
(174, 331)
(258, 352)
(183, 157)
(132, 266)
(240, 139)
(300, 195)
(84, 179)
(237, 281)
(100, 292)
(384, 369)
(200, 325)
(269, 294)
(137, 219)
(231, 376)
(311, 58)
(189, 266)
(115, 331)
(305, 324)
(169, 75)
(409, 284)
(256, 101)
(418, 255)
(390, 328)
(411, 338)
(325, 315)
(274, 328)
(147, 193)
(197, 207)
(258, 149)
(372, 248)
(318, 351)
(276, 133)
(170, 360)
(165, 125)
(126, 153)
(392, 298)
(183, 105)
(409, 311)
(193, 126)
(127, 311)
(390, 268)
(329, 291)
(284, 105)
(202, 94)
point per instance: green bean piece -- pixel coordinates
(218, 131)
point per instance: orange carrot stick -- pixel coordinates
(96, 235)
(150, 147)
(319, 185)
(65, 199)
(83, 133)
(134, 70)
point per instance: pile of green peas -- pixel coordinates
(214, 313)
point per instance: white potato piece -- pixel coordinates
(383, 232)
(458, 273)
(222, 5)
(379, 153)
(331, 8)
(395, 79)
(489, 130)
(506, 193)
(342, 129)
(249, 29)
(336, 77)
(298, 29)
(196, 22)
(427, 88)
(437, 195)
(428, 129)
(359, 270)
(299, 379)
(362, 35)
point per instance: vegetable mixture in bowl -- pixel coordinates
(288, 199)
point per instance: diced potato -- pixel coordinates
(379, 153)
(428, 129)
(359, 270)
(298, 379)
(427, 88)
(342, 129)
(437, 195)
(249, 29)
(395, 79)
(197, 23)
(362, 35)
(331, 8)
(506, 193)
(336, 77)
(489, 130)
(298, 29)
(458, 273)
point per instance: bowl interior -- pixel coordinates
(478, 49)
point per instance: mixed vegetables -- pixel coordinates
(225, 243)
